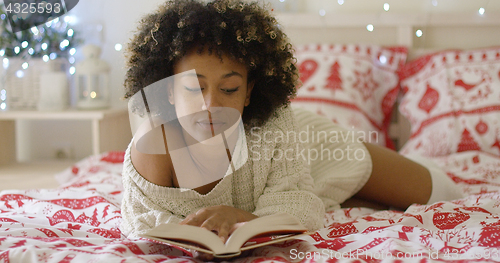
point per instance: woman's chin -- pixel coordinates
(212, 129)
(201, 133)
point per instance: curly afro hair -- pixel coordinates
(243, 31)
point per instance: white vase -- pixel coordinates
(53, 91)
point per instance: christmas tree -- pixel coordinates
(334, 81)
(50, 40)
(467, 143)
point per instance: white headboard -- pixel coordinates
(439, 32)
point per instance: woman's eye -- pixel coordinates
(230, 90)
(196, 89)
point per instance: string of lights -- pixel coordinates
(325, 6)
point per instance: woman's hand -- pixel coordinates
(220, 219)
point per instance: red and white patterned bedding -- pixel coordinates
(78, 222)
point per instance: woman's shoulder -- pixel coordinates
(156, 168)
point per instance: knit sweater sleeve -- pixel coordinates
(282, 174)
(139, 212)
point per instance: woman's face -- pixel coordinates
(209, 94)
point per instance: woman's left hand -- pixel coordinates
(220, 219)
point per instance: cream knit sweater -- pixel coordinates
(275, 179)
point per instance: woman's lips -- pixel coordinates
(210, 126)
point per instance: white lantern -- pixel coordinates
(92, 80)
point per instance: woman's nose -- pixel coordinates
(211, 100)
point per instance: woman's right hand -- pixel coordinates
(220, 219)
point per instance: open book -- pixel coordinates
(255, 233)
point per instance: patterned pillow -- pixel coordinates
(452, 100)
(353, 85)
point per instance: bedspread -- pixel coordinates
(78, 222)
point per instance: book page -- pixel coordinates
(182, 235)
(187, 233)
(277, 224)
(187, 247)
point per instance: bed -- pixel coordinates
(421, 98)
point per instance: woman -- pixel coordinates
(232, 55)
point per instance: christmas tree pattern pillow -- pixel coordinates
(354, 85)
(452, 100)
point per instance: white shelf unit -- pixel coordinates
(110, 128)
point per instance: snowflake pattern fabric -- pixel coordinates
(78, 222)
(452, 100)
(353, 85)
